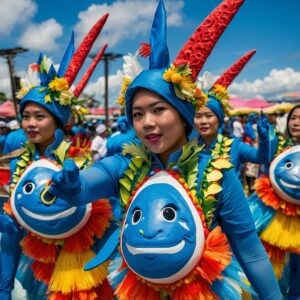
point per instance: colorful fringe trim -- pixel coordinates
(59, 263)
(196, 285)
(283, 232)
(267, 195)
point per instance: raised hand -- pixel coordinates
(263, 127)
(66, 183)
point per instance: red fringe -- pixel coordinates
(99, 221)
(196, 290)
(42, 272)
(36, 249)
(274, 253)
(268, 196)
(103, 292)
(132, 289)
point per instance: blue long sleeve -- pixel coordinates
(234, 216)
(100, 180)
(242, 152)
(255, 262)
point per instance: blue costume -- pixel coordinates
(202, 206)
(249, 132)
(126, 135)
(239, 152)
(14, 140)
(45, 237)
(274, 207)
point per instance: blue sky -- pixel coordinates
(271, 27)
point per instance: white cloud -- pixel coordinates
(4, 78)
(42, 36)
(128, 19)
(272, 86)
(14, 12)
(96, 89)
(277, 83)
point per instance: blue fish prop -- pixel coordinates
(42, 213)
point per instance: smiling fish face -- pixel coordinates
(162, 237)
(56, 220)
(285, 175)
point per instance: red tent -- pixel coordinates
(7, 109)
(252, 103)
(101, 111)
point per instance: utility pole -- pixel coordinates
(9, 54)
(107, 57)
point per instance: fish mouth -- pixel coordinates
(57, 216)
(168, 250)
(289, 185)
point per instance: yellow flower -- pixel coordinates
(65, 98)
(168, 74)
(47, 98)
(220, 91)
(187, 84)
(58, 85)
(22, 92)
(176, 78)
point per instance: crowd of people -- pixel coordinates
(154, 205)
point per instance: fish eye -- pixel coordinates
(169, 214)
(136, 216)
(289, 165)
(28, 188)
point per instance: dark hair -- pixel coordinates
(288, 134)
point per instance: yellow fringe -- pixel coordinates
(68, 275)
(283, 232)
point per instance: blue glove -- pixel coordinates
(8, 225)
(66, 183)
(263, 127)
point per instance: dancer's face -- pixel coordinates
(38, 124)
(206, 123)
(294, 124)
(158, 124)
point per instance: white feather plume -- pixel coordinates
(131, 66)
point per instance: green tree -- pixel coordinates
(3, 97)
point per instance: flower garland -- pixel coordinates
(210, 185)
(184, 87)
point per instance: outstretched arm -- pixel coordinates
(100, 180)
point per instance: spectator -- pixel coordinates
(98, 145)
